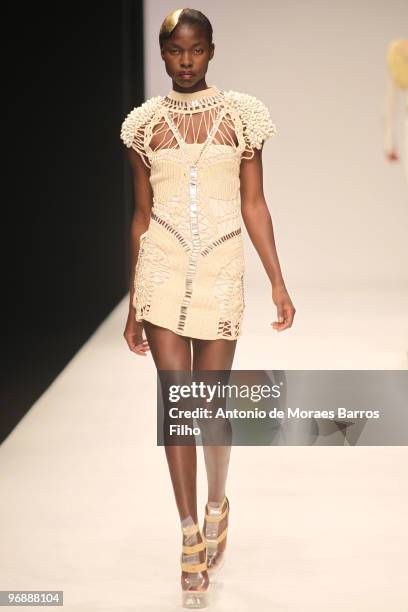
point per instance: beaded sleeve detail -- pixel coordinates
(133, 127)
(256, 120)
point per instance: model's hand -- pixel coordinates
(285, 308)
(133, 335)
(392, 155)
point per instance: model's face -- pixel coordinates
(187, 51)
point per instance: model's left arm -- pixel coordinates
(258, 222)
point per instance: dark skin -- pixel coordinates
(189, 49)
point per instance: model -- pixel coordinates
(397, 64)
(196, 158)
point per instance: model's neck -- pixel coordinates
(200, 86)
(211, 90)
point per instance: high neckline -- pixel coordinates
(211, 90)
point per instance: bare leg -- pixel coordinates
(171, 351)
(215, 355)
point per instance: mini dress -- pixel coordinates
(190, 269)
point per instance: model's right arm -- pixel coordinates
(143, 201)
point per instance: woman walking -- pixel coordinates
(196, 160)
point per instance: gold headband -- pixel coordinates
(170, 22)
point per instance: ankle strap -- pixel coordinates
(191, 529)
(215, 518)
(223, 501)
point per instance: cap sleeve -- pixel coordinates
(133, 129)
(256, 121)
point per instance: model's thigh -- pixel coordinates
(171, 353)
(169, 350)
(213, 354)
(210, 355)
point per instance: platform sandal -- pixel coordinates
(197, 593)
(215, 556)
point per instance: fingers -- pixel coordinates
(140, 348)
(286, 313)
(280, 326)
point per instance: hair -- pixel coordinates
(185, 15)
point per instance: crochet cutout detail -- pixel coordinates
(150, 257)
(230, 293)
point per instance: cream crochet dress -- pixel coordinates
(189, 274)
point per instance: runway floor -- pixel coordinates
(87, 505)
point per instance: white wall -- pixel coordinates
(340, 211)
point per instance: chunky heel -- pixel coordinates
(195, 599)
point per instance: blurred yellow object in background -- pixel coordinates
(397, 60)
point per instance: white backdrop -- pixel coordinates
(340, 211)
